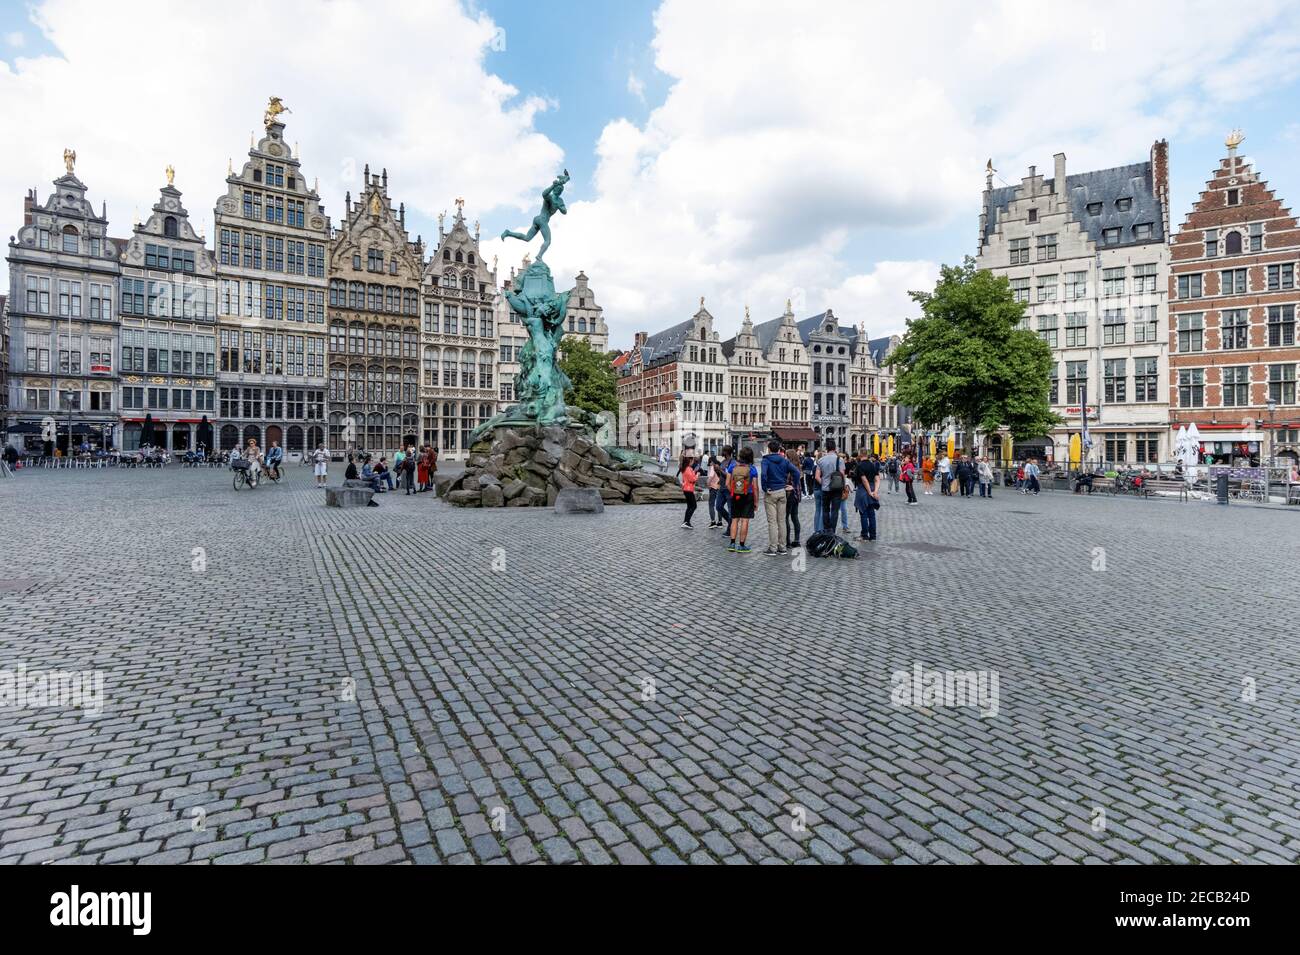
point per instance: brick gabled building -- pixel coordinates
(1232, 317)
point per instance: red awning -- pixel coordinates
(796, 435)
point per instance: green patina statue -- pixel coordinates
(551, 204)
(540, 384)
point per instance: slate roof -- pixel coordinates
(766, 334)
(665, 346)
(1105, 186)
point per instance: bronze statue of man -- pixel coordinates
(551, 204)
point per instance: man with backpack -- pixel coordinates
(891, 471)
(778, 474)
(831, 478)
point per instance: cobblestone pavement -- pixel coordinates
(625, 691)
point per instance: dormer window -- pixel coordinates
(1123, 204)
(1143, 230)
(1234, 197)
(71, 241)
(1094, 208)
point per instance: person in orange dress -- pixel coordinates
(927, 475)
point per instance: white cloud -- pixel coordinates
(636, 86)
(788, 139)
(15, 39)
(401, 85)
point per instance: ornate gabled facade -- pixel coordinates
(168, 308)
(865, 408)
(1234, 292)
(458, 338)
(828, 352)
(747, 383)
(375, 272)
(63, 329)
(1087, 253)
(788, 382)
(271, 235)
(586, 319)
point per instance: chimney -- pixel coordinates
(641, 338)
(1059, 183)
(1160, 181)
(29, 207)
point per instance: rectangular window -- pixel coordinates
(1256, 236)
(1236, 386)
(1047, 248)
(1047, 288)
(1146, 447)
(1281, 277)
(1234, 329)
(1191, 332)
(1143, 231)
(1076, 329)
(1076, 379)
(1047, 329)
(1281, 384)
(1211, 243)
(1113, 326)
(1191, 388)
(1117, 447)
(1189, 286)
(1020, 289)
(1110, 236)
(1076, 286)
(1144, 277)
(1281, 325)
(1115, 381)
(1019, 251)
(1112, 282)
(1232, 281)
(1145, 327)
(1145, 379)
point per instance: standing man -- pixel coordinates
(830, 476)
(1031, 477)
(986, 478)
(892, 468)
(320, 459)
(776, 476)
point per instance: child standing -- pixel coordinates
(742, 488)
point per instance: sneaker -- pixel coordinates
(731, 547)
(796, 546)
(912, 503)
(743, 549)
(781, 551)
(769, 553)
(686, 523)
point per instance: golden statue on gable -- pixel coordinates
(69, 159)
(376, 207)
(273, 109)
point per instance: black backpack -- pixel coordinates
(820, 544)
(836, 485)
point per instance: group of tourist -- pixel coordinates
(783, 478)
(414, 470)
(961, 475)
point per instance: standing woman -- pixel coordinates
(422, 470)
(793, 495)
(687, 475)
(715, 488)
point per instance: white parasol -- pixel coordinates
(1180, 443)
(1192, 452)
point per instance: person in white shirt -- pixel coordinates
(320, 461)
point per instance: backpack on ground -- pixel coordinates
(739, 481)
(820, 544)
(842, 548)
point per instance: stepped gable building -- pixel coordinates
(375, 273)
(829, 353)
(272, 234)
(1232, 318)
(586, 318)
(789, 373)
(458, 336)
(63, 326)
(1087, 253)
(747, 383)
(168, 308)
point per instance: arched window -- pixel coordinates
(169, 227)
(356, 295)
(374, 431)
(582, 325)
(459, 257)
(375, 297)
(446, 255)
(1232, 244)
(467, 369)
(467, 281)
(71, 239)
(817, 373)
(449, 279)
(374, 384)
(252, 433)
(338, 293)
(229, 437)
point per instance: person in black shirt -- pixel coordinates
(866, 493)
(351, 473)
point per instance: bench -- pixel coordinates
(1160, 485)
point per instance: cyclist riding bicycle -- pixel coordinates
(253, 455)
(274, 458)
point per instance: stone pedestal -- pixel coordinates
(348, 496)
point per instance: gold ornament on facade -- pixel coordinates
(1234, 139)
(69, 159)
(171, 174)
(375, 206)
(273, 109)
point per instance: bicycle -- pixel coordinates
(243, 475)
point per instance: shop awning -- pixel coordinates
(796, 435)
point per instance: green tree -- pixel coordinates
(594, 382)
(967, 358)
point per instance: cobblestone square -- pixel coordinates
(286, 682)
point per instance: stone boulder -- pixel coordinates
(657, 495)
(492, 496)
(579, 500)
(464, 498)
(348, 496)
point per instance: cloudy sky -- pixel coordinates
(749, 152)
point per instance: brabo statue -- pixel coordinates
(541, 384)
(551, 204)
